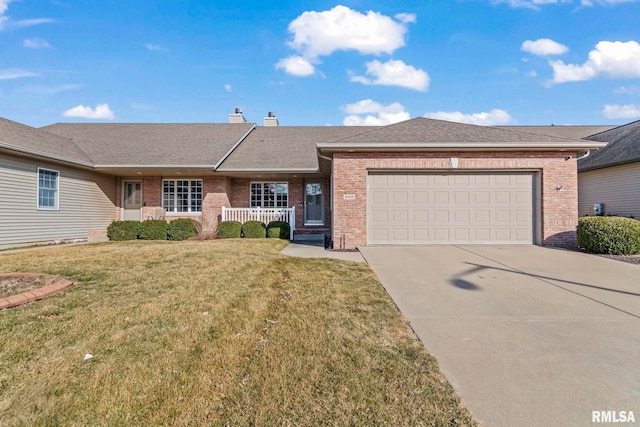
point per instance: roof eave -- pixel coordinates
(152, 166)
(41, 154)
(607, 165)
(449, 146)
(269, 170)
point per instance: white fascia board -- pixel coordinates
(449, 146)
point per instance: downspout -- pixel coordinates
(217, 165)
(584, 156)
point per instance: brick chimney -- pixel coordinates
(237, 117)
(271, 119)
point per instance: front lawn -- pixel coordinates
(213, 333)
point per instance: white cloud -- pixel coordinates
(228, 88)
(608, 59)
(36, 43)
(317, 34)
(4, 5)
(50, 90)
(296, 66)
(140, 106)
(631, 90)
(370, 113)
(629, 111)
(536, 4)
(492, 118)
(15, 73)
(605, 2)
(543, 47)
(155, 47)
(394, 73)
(102, 111)
(530, 4)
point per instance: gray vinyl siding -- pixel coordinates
(86, 201)
(617, 187)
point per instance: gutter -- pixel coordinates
(217, 165)
(153, 166)
(280, 170)
(449, 146)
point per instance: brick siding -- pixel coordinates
(559, 208)
(221, 191)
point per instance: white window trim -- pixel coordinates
(57, 198)
(269, 182)
(189, 212)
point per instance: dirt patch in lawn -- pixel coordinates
(21, 288)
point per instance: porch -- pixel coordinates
(265, 215)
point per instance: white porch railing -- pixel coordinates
(265, 215)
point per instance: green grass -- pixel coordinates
(217, 333)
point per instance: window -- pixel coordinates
(48, 189)
(182, 195)
(269, 194)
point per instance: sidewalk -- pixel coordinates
(315, 249)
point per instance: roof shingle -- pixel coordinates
(145, 144)
(17, 136)
(623, 147)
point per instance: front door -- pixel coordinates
(132, 200)
(313, 204)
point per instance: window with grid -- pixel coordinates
(269, 194)
(182, 195)
(48, 189)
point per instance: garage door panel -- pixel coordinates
(450, 208)
(379, 197)
(400, 217)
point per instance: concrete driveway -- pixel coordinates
(528, 336)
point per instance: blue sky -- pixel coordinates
(500, 62)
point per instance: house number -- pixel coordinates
(349, 196)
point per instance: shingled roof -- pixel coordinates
(285, 148)
(564, 131)
(25, 139)
(623, 147)
(438, 134)
(154, 144)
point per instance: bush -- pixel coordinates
(229, 230)
(609, 235)
(153, 229)
(278, 230)
(254, 230)
(123, 230)
(182, 229)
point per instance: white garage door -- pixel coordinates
(454, 208)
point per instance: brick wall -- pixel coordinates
(559, 208)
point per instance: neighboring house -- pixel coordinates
(421, 181)
(611, 176)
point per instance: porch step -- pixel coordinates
(308, 237)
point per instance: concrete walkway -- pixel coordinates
(528, 336)
(315, 249)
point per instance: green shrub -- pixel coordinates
(609, 235)
(254, 230)
(123, 230)
(229, 230)
(153, 229)
(182, 229)
(278, 230)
